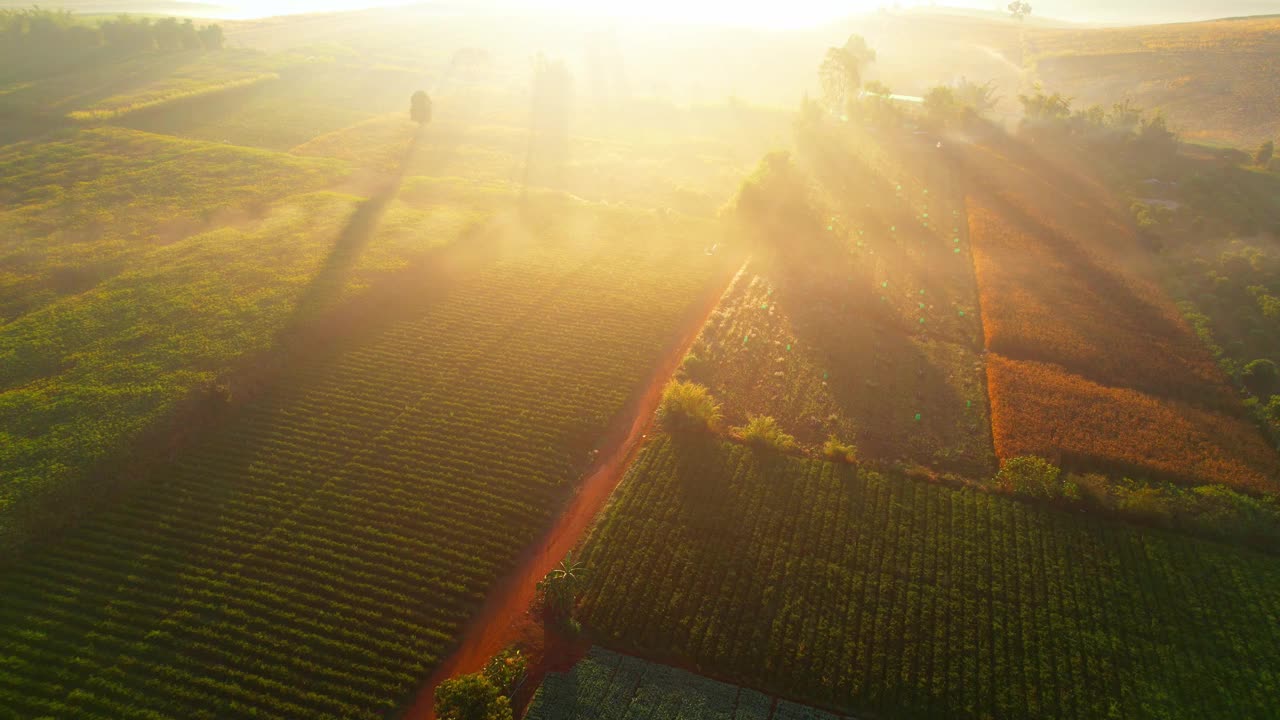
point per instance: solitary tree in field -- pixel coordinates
(420, 108)
(841, 71)
(1019, 9)
(1264, 154)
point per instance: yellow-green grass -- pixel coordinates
(82, 376)
(82, 207)
(302, 105)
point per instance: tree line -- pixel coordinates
(59, 32)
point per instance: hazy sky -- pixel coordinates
(753, 13)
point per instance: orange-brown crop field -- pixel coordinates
(1044, 299)
(1040, 409)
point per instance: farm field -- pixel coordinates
(81, 208)
(606, 684)
(323, 341)
(1039, 409)
(876, 342)
(303, 103)
(358, 512)
(865, 592)
(1091, 364)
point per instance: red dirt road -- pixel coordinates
(504, 617)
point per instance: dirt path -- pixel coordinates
(504, 617)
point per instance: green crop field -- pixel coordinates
(606, 684)
(878, 341)
(324, 338)
(315, 558)
(866, 592)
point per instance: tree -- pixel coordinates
(211, 37)
(841, 71)
(560, 588)
(941, 106)
(420, 108)
(1259, 377)
(1263, 157)
(978, 99)
(1019, 9)
(1040, 109)
(506, 669)
(1031, 476)
(471, 697)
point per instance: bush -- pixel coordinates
(1259, 377)
(1144, 502)
(688, 406)
(471, 697)
(694, 367)
(1031, 476)
(764, 432)
(1091, 488)
(506, 669)
(834, 449)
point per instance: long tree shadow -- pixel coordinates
(897, 379)
(335, 272)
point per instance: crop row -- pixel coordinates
(317, 556)
(834, 585)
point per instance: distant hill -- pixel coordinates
(1217, 81)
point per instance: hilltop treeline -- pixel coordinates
(58, 32)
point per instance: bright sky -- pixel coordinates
(753, 13)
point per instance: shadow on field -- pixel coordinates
(331, 279)
(1094, 294)
(894, 378)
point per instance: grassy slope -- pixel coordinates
(1216, 80)
(871, 593)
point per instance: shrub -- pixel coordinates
(1092, 488)
(688, 406)
(764, 432)
(471, 697)
(834, 449)
(1031, 476)
(1259, 377)
(694, 367)
(1145, 502)
(506, 669)
(1265, 152)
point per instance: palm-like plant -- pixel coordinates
(560, 587)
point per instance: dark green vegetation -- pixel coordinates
(859, 316)
(865, 592)
(606, 684)
(315, 557)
